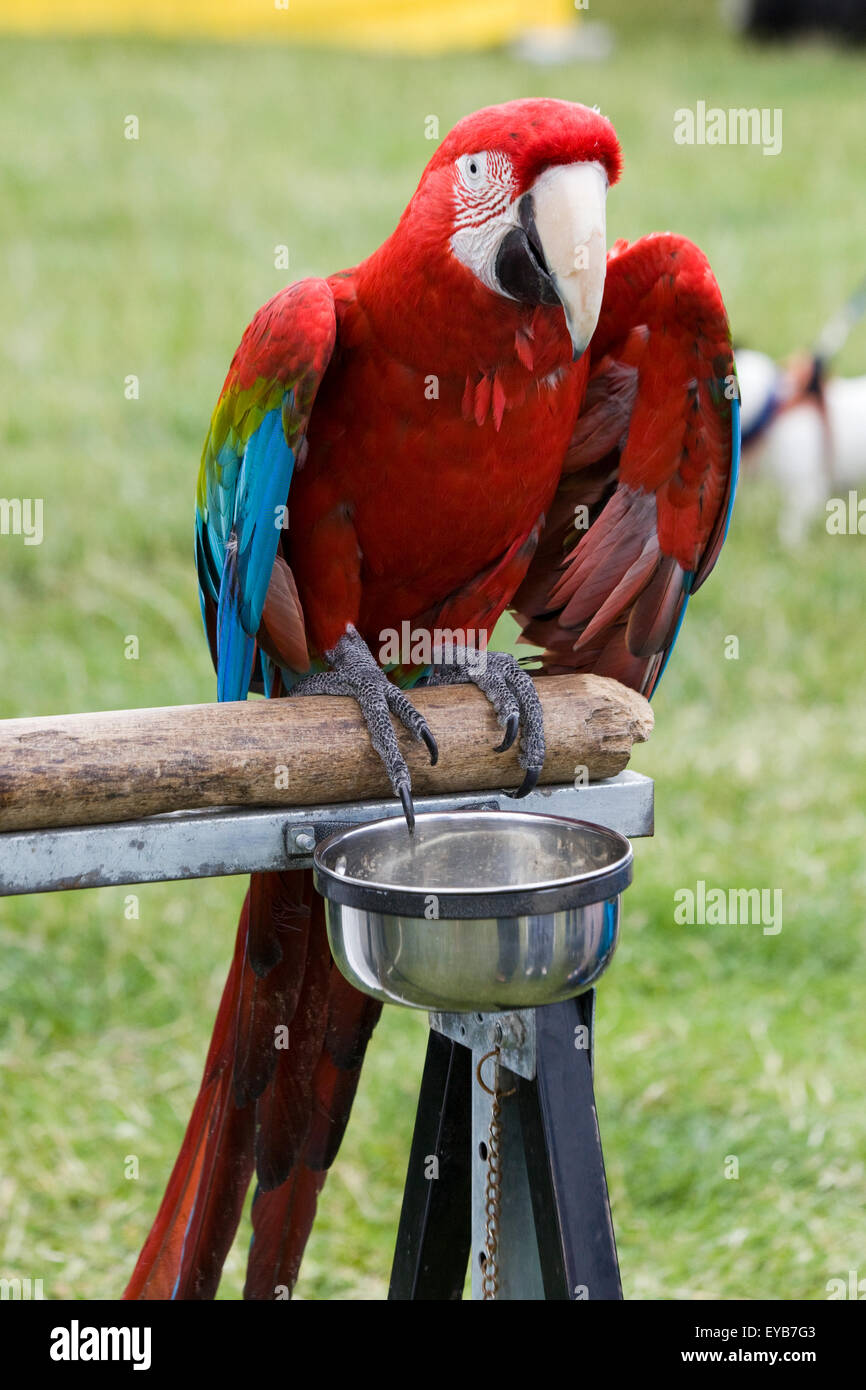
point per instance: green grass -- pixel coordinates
(149, 257)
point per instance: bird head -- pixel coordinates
(510, 211)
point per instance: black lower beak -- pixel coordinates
(520, 265)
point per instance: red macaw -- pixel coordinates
(488, 412)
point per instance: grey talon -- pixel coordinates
(405, 793)
(527, 785)
(513, 696)
(432, 746)
(511, 729)
(357, 673)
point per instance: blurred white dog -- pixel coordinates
(806, 433)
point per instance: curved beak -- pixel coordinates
(558, 254)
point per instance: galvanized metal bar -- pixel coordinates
(210, 844)
(519, 1275)
(555, 1236)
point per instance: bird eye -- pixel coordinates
(473, 168)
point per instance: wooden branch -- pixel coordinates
(85, 769)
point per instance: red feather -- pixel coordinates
(294, 1102)
(282, 1221)
(649, 461)
(184, 1253)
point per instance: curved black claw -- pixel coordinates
(511, 729)
(431, 745)
(527, 785)
(408, 808)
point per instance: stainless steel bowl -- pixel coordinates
(484, 910)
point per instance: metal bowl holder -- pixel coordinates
(524, 1076)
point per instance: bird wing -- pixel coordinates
(648, 481)
(255, 439)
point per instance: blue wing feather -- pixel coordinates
(263, 486)
(236, 648)
(246, 479)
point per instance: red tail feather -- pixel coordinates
(211, 1174)
(282, 1221)
(278, 1087)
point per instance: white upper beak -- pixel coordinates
(569, 203)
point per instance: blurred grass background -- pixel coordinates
(148, 257)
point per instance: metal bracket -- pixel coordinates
(211, 844)
(513, 1033)
(555, 1236)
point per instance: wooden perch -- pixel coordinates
(86, 769)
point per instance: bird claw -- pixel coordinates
(513, 696)
(356, 672)
(405, 793)
(527, 785)
(511, 729)
(432, 745)
(506, 685)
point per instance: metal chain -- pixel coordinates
(493, 1185)
(490, 1280)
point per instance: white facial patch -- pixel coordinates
(484, 189)
(569, 212)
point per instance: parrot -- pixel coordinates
(492, 413)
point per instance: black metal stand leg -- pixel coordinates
(434, 1235)
(563, 1155)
